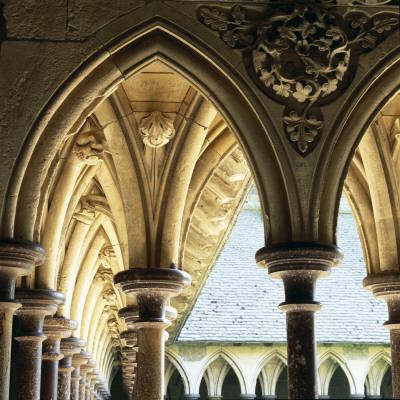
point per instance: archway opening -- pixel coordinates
(258, 390)
(203, 390)
(117, 388)
(281, 385)
(175, 388)
(339, 387)
(231, 386)
(386, 385)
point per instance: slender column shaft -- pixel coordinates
(299, 265)
(150, 363)
(386, 286)
(17, 258)
(69, 347)
(152, 288)
(55, 329)
(395, 355)
(49, 379)
(36, 304)
(76, 378)
(302, 354)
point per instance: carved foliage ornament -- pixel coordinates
(156, 129)
(300, 56)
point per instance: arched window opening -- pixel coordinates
(117, 391)
(386, 385)
(339, 387)
(175, 388)
(258, 390)
(231, 387)
(281, 385)
(203, 390)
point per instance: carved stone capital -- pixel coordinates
(36, 305)
(386, 286)
(55, 329)
(152, 288)
(299, 265)
(17, 258)
(156, 129)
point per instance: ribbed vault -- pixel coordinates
(153, 178)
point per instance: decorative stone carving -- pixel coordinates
(103, 276)
(156, 129)
(301, 56)
(89, 144)
(106, 254)
(85, 211)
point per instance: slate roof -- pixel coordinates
(239, 301)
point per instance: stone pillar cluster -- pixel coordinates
(46, 366)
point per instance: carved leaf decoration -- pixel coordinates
(384, 24)
(368, 41)
(329, 87)
(239, 14)
(302, 93)
(216, 20)
(156, 129)
(282, 89)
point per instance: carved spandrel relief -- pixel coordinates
(301, 56)
(89, 144)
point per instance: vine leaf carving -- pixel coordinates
(301, 56)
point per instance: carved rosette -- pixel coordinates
(156, 129)
(302, 56)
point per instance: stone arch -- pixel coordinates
(375, 371)
(269, 370)
(180, 367)
(327, 365)
(132, 49)
(373, 92)
(214, 383)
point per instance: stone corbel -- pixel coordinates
(156, 129)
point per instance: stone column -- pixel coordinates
(17, 258)
(191, 396)
(215, 397)
(248, 396)
(36, 305)
(77, 361)
(90, 366)
(129, 361)
(299, 265)
(386, 286)
(69, 347)
(85, 369)
(152, 288)
(55, 329)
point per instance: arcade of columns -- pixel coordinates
(127, 140)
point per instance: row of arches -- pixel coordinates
(224, 375)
